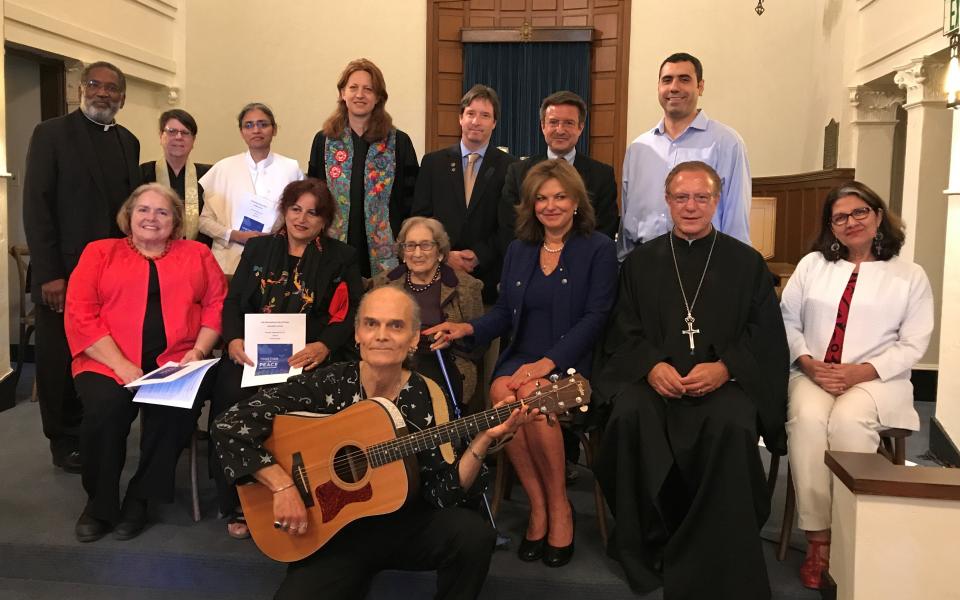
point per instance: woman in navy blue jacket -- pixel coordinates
(557, 288)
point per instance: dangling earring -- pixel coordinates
(575, 210)
(877, 240)
(835, 248)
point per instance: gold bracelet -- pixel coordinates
(475, 455)
(286, 487)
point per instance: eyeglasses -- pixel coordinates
(425, 246)
(174, 132)
(95, 86)
(558, 123)
(681, 199)
(257, 124)
(840, 219)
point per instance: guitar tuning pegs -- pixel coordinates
(584, 408)
(571, 371)
(554, 378)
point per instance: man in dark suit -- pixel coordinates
(80, 169)
(562, 116)
(460, 186)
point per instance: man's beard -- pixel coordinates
(100, 115)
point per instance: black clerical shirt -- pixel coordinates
(113, 166)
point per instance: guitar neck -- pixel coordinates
(428, 439)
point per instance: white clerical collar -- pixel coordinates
(254, 165)
(106, 126)
(569, 156)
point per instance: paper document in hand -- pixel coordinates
(170, 372)
(253, 213)
(178, 392)
(270, 340)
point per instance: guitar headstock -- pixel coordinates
(561, 395)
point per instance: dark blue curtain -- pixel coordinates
(523, 75)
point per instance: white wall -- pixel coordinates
(758, 73)
(23, 113)
(290, 55)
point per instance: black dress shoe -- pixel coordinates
(133, 517)
(557, 557)
(531, 550)
(68, 461)
(90, 528)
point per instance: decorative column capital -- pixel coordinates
(875, 105)
(923, 80)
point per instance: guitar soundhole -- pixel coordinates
(350, 464)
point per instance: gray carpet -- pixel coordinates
(177, 558)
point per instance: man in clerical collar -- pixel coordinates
(562, 118)
(178, 133)
(80, 168)
(684, 133)
(695, 367)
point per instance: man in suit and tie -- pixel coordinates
(460, 186)
(562, 116)
(80, 169)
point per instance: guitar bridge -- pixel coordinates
(301, 479)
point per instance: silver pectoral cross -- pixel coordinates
(689, 331)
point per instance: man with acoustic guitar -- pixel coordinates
(421, 528)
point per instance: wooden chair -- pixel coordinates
(893, 446)
(21, 255)
(590, 442)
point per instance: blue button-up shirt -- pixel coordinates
(465, 152)
(651, 157)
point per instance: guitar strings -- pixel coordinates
(346, 459)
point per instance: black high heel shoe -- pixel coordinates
(531, 550)
(557, 557)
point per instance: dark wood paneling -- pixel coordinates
(609, 60)
(873, 475)
(799, 202)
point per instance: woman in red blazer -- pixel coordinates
(133, 304)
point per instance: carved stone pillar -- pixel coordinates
(945, 430)
(874, 121)
(926, 175)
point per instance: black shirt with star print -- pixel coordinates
(239, 433)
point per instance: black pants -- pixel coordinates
(427, 364)
(455, 542)
(108, 412)
(226, 393)
(60, 408)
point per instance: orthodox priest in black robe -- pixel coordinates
(693, 376)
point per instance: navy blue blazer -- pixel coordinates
(588, 288)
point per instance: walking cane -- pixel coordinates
(503, 541)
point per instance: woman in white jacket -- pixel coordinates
(858, 318)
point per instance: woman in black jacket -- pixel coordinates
(297, 270)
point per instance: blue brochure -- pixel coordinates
(249, 224)
(272, 359)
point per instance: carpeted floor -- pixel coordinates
(177, 558)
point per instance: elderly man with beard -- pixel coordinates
(80, 169)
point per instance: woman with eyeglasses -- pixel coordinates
(369, 165)
(858, 318)
(297, 269)
(178, 133)
(242, 191)
(443, 294)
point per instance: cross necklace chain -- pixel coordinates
(689, 319)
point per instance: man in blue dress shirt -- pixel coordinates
(684, 134)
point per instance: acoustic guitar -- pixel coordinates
(361, 462)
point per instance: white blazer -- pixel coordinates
(888, 326)
(234, 180)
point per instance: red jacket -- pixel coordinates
(107, 295)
